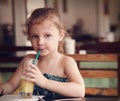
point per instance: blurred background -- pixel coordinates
(87, 21)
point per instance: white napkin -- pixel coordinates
(17, 98)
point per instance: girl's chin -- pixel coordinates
(45, 52)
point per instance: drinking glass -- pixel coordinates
(26, 86)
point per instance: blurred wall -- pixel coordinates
(75, 9)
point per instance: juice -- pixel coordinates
(26, 88)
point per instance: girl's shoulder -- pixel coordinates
(66, 58)
(69, 64)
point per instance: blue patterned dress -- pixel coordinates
(41, 91)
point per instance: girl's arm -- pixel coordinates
(12, 84)
(75, 87)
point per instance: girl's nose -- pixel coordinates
(41, 41)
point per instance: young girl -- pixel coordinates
(56, 74)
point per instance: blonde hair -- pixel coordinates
(41, 14)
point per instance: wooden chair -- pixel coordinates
(100, 72)
(86, 73)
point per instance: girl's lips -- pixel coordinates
(41, 49)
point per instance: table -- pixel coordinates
(39, 98)
(103, 99)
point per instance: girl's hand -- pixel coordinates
(1, 91)
(35, 75)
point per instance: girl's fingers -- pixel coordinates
(34, 66)
(33, 72)
(31, 76)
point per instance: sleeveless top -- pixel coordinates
(41, 91)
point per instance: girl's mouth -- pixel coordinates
(40, 50)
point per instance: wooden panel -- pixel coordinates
(118, 75)
(100, 91)
(105, 47)
(10, 59)
(99, 73)
(15, 48)
(94, 57)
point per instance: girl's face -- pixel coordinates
(45, 37)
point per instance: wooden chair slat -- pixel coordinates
(94, 57)
(102, 91)
(99, 73)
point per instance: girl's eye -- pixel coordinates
(34, 36)
(48, 35)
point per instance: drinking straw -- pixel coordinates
(35, 60)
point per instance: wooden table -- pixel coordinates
(39, 98)
(102, 99)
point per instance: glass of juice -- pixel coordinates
(26, 86)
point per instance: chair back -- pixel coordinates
(99, 73)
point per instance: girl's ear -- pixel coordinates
(61, 35)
